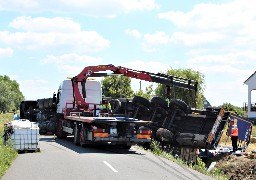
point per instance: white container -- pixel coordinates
(25, 135)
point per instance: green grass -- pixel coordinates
(254, 130)
(7, 153)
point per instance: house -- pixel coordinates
(251, 83)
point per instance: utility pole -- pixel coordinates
(140, 85)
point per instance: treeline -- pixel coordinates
(10, 94)
(234, 109)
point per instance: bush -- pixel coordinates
(7, 153)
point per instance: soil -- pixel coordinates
(237, 167)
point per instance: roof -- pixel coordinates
(249, 77)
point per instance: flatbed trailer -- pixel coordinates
(120, 131)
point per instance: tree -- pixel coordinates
(185, 94)
(233, 109)
(10, 94)
(147, 94)
(117, 86)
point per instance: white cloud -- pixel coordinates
(225, 75)
(232, 22)
(70, 58)
(67, 36)
(214, 16)
(133, 32)
(190, 39)
(42, 24)
(96, 8)
(218, 39)
(220, 92)
(40, 86)
(20, 5)
(150, 41)
(150, 66)
(6, 52)
(236, 63)
(71, 63)
(156, 39)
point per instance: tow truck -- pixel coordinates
(76, 110)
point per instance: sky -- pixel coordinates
(43, 41)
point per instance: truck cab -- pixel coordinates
(65, 97)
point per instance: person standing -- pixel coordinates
(109, 107)
(234, 136)
(16, 116)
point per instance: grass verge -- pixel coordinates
(199, 166)
(7, 153)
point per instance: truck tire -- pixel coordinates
(129, 109)
(178, 104)
(50, 102)
(158, 101)
(164, 135)
(60, 133)
(141, 100)
(46, 103)
(200, 140)
(190, 139)
(82, 140)
(185, 139)
(115, 105)
(76, 135)
(40, 103)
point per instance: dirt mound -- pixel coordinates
(238, 167)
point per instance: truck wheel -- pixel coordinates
(82, 137)
(158, 101)
(46, 103)
(177, 103)
(141, 100)
(77, 135)
(40, 103)
(190, 139)
(200, 140)
(60, 133)
(164, 135)
(115, 104)
(185, 139)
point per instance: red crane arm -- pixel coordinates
(96, 71)
(91, 71)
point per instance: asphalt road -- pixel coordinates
(61, 159)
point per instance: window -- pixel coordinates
(253, 100)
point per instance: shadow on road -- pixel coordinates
(100, 148)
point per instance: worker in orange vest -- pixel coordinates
(234, 136)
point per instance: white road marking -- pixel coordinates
(113, 169)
